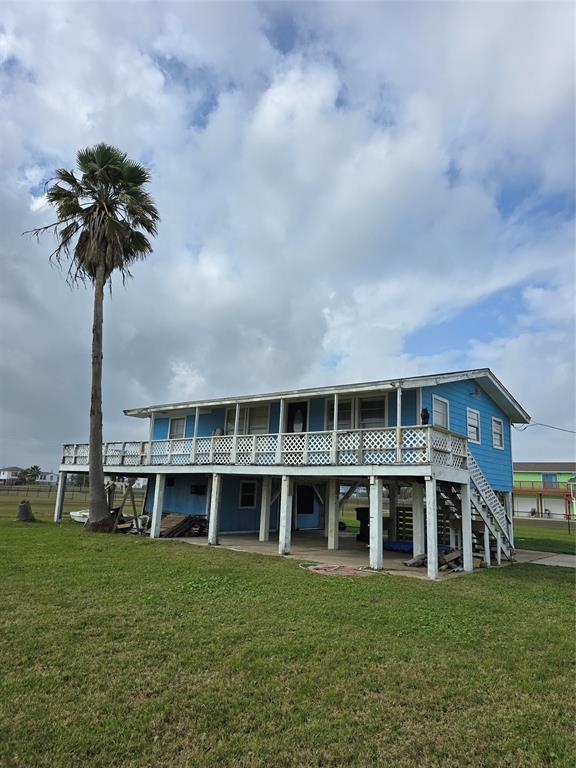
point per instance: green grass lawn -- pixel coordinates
(546, 535)
(121, 651)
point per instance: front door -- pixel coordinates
(297, 417)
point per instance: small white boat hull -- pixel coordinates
(81, 516)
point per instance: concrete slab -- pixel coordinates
(544, 558)
(311, 547)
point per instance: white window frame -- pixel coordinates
(353, 412)
(447, 402)
(470, 439)
(176, 418)
(501, 422)
(360, 400)
(244, 422)
(242, 484)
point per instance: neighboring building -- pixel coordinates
(9, 475)
(274, 464)
(543, 489)
(47, 478)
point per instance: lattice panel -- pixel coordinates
(347, 458)
(417, 456)
(441, 442)
(413, 438)
(266, 443)
(348, 441)
(459, 462)
(82, 453)
(379, 440)
(113, 454)
(319, 458)
(222, 444)
(439, 457)
(203, 450)
(221, 457)
(132, 454)
(181, 450)
(159, 452)
(266, 459)
(379, 457)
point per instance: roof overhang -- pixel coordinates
(483, 377)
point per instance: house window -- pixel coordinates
(440, 412)
(473, 425)
(373, 413)
(247, 494)
(498, 433)
(344, 414)
(253, 420)
(177, 429)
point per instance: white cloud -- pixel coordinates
(309, 222)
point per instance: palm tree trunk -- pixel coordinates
(99, 518)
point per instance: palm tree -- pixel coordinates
(104, 215)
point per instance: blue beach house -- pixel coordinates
(434, 450)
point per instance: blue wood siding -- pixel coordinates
(160, 428)
(494, 462)
(178, 497)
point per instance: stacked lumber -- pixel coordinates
(173, 525)
(447, 561)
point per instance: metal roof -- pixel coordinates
(483, 376)
(544, 466)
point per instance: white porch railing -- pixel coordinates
(418, 445)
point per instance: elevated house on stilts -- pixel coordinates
(435, 449)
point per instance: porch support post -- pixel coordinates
(452, 536)
(498, 547)
(280, 431)
(265, 509)
(418, 524)
(508, 505)
(335, 431)
(431, 528)
(487, 558)
(466, 527)
(195, 435)
(158, 506)
(399, 424)
(285, 524)
(333, 494)
(213, 519)
(61, 490)
(235, 437)
(376, 526)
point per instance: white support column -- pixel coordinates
(418, 524)
(158, 505)
(280, 431)
(334, 452)
(498, 547)
(195, 435)
(376, 525)
(235, 435)
(60, 497)
(487, 558)
(452, 537)
(265, 509)
(333, 509)
(285, 524)
(213, 519)
(466, 527)
(508, 504)
(399, 424)
(431, 528)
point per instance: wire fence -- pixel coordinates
(47, 492)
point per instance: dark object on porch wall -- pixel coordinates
(425, 416)
(25, 512)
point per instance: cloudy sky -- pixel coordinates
(348, 192)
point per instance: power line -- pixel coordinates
(540, 424)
